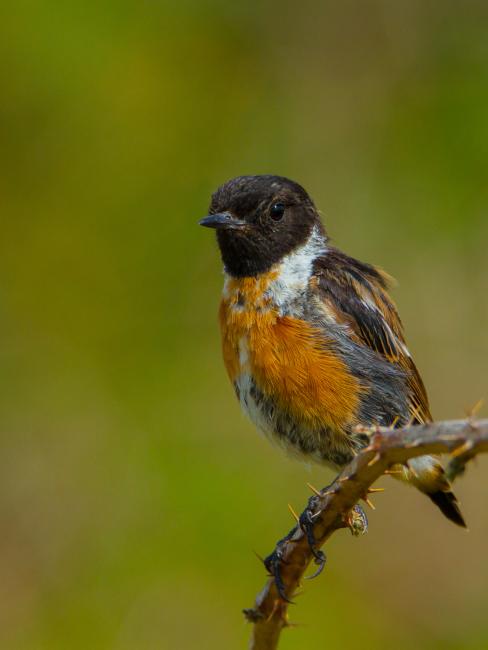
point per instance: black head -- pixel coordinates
(260, 219)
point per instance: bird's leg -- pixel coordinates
(274, 561)
(306, 522)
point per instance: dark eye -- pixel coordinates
(277, 211)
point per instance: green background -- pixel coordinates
(132, 490)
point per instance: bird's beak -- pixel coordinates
(222, 221)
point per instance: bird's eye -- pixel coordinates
(277, 211)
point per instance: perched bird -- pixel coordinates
(311, 340)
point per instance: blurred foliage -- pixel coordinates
(132, 491)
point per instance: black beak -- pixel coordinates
(222, 221)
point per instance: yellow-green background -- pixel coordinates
(132, 490)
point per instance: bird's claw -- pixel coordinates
(320, 560)
(273, 565)
(306, 523)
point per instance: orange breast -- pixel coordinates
(290, 361)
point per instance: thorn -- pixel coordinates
(473, 410)
(466, 446)
(394, 423)
(369, 502)
(343, 479)
(297, 518)
(393, 471)
(375, 459)
(273, 611)
(327, 494)
(371, 490)
(260, 558)
(415, 443)
(314, 490)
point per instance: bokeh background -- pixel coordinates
(132, 491)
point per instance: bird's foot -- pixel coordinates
(275, 560)
(306, 522)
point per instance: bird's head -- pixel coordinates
(259, 220)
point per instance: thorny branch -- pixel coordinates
(462, 439)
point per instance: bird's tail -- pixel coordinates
(427, 474)
(448, 504)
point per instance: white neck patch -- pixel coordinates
(295, 270)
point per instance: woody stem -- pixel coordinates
(462, 439)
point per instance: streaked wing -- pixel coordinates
(356, 295)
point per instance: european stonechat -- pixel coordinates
(311, 340)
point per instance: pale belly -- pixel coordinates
(318, 444)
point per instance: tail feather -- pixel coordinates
(427, 474)
(448, 504)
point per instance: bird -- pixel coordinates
(311, 340)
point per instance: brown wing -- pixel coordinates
(355, 294)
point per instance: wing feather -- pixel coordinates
(357, 296)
